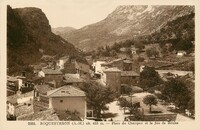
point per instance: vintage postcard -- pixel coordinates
(110, 64)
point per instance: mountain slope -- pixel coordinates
(28, 31)
(62, 31)
(126, 22)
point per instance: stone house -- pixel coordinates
(61, 62)
(68, 98)
(13, 85)
(113, 79)
(50, 75)
(73, 79)
(41, 100)
(130, 78)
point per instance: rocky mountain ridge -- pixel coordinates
(125, 22)
(29, 37)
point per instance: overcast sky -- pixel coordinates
(75, 13)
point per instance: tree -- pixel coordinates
(123, 103)
(116, 47)
(150, 100)
(127, 43)
(126, 89)
(139, 45)
(98, 96)
(149, 78)
(152, 52)
(176, 91)
(191, 105)
(183, 44)
(190, 66)
(113, 53)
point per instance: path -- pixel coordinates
(114, 108)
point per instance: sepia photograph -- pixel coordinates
(100, 61)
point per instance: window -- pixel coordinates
(62, 91)
(61, 101)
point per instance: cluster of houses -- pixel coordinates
(115, 73)
(133, 50)
(53, 89)
(57, 86)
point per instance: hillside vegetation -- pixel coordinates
(29, 37)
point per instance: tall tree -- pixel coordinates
(139, 45)
(150, 100)
(123, 103)
(98, 96)
(177, 92)
(152, 52)
(149, 78)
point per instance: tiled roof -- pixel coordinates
(113, 61)
(12, 79)
(129, 73)
(12, 99)
(66, 91)
(51, 71)
(35, 78)
(43, 88)
(20, 77)
(37, 67)
(127, 61)
(114, 69)
(24, 109)
(72, 78)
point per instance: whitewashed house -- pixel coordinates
(98, 68)
(68, 98)
(61, 62)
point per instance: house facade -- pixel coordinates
(11, 107)
(41, 100)
(13, 85)
(61, 62)
(50, 75)
(113, 79)
(68, 98)
(98, 68)
(130, 78)
(82, 68)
